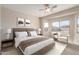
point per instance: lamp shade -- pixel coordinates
(9, 31)
(39, 29)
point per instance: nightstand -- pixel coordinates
(7, 43)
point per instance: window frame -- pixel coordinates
(65, 20)
(60, 25)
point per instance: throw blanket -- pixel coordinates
(31, 41)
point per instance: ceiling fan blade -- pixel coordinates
(53, 7)
(48, 8)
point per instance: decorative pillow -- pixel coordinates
(21, 34)
(33, 33)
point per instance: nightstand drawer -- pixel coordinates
(6, 44)
(40, 34)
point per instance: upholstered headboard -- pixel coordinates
(22, 29)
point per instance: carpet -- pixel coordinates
(71, 49)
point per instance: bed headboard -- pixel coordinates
(22, 29)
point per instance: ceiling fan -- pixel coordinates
(47, 8)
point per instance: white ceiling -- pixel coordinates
(33, 9)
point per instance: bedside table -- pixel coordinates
(7, 43)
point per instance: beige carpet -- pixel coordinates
(71, 49)
(10, 51)
(57, 50)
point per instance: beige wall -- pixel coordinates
(66, 14)
(9, 20)
(45, 33)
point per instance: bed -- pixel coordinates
(32, 45)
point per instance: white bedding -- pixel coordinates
(35, 47)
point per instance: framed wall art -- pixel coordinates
(20, 22)
(27, 22)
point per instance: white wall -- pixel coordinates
(9, 20)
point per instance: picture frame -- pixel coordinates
(20, 21)
(27, 22)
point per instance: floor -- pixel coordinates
(10, 51)
(57, 50)
(71, 49)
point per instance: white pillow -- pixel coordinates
(21, 34)
(33, 33)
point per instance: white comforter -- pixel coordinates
(35, 47)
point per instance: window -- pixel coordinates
(61, 25)
(64, 25)
(45, 26)
(55, 26)
(78, 24)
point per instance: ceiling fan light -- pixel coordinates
(47, 10)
